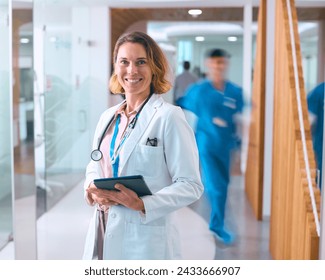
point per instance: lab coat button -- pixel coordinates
(113, 215)
(110, 235)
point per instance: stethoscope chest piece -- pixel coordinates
(96, 155)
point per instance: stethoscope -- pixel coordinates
(97, 155)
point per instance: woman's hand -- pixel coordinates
(127, 197)
(123, 196)
(99, 196)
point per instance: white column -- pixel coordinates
(112, 99)
(269, 96)
(247, 51)
(99, 63)
(321, 52)
(247, 76)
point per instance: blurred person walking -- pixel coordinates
(218, 104)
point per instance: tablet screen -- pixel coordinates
(135, 183)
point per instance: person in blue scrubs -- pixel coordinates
(218, 104)
(315, 100)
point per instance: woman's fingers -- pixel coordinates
(122, 195)
(128, 198)
(102, 196)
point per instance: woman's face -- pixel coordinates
(133, 70)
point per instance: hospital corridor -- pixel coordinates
(232, 94)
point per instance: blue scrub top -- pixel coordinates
(209, 105)
(315, 101)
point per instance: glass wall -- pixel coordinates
(61, 98)
(5, 128)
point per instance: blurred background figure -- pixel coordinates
(218, 104)
(183, 80)
(315, 101)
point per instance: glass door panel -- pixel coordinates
(64, 97)
(5, 128)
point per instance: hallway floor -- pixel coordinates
(62, 230)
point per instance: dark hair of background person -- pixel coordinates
(217, 53)
(186, 65)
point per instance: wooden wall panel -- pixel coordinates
(292, 226)
(255, 158)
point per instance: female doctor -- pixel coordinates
(143, 135)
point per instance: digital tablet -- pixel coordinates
(135, 183)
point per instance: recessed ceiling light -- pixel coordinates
(195, 12)
(232, 38)
(199, 38)
(24, 40)
(53, 39)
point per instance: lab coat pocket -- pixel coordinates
(148, 160)
(145, 242)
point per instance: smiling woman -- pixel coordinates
(125, 226)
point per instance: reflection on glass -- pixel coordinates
(63, 102)
(23, 104)
(5, 141)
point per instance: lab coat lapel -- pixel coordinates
(145, 117)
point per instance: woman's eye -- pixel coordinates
(123, 62)
(141, 62)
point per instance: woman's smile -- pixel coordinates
(133, 80)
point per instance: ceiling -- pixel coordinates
(175, 19)
(157, 3)
(167, 23)
(171, 22)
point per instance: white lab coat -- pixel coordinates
(171, 171)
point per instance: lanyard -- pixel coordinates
(111, 150)
(96, 154)
(115, 155)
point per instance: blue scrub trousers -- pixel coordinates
(216, 177)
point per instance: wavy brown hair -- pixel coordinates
(156, 60)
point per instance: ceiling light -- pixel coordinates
(199, 38)
(195, 12)
(53, 39)
(232, 38)
(24, 40)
